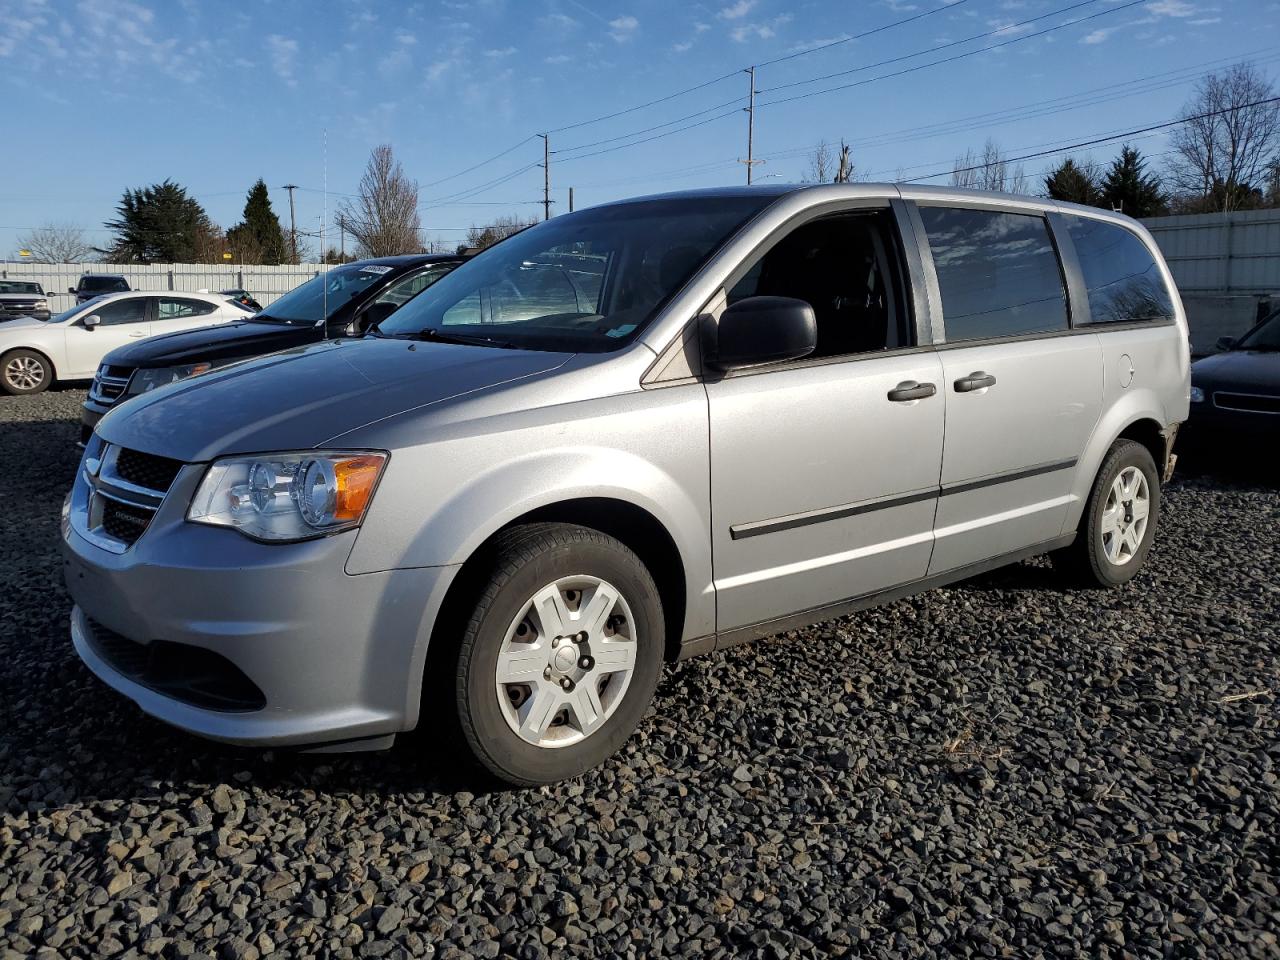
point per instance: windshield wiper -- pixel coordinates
(438, 336)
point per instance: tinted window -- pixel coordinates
(1123, 279)
(405, 290)
(998, 273)
(171, 308)
(103, 284)
(132, 310)
(323, 296)
(845, 267)
(19, 286)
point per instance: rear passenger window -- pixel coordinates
(998, 273)
(1122, 277)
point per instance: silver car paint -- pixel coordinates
(481, 437)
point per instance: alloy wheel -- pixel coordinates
(1124, 516)
(24, 373)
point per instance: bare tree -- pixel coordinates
(383, 217)
(844, 172)
(57, 243)
(820, 164)
(988, 171)
(480, 237)
(1229, 140)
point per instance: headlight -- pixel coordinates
(288, 496)
(144, 381)
(42, 305)
(1197, 395)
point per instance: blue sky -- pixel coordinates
(109, 94)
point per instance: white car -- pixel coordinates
(34, 353)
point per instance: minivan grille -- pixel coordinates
(124, 490)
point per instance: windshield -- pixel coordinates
(19, 286)
(587, 281)
(1265, 336)
(305, 305)
(100, 284)
(86, 307)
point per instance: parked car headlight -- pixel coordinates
(288, 496)
(144, 381)
(1197, 395)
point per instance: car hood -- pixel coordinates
(23, 296)
(220, 342)
(300, 398)
(1247, 370)
(18, 324)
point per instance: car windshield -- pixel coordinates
(1265, 336)
(587, 281)
(19, 286)
(306, 305)
(100, 284)
(74, 311)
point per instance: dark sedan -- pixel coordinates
(342, 302)
(1235, 395)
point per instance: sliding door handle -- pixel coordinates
(910, 390)
(975, 381)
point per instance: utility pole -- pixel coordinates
(750, 127)
(571, 199)
(293, 229)
(546, 176)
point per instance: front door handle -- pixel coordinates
(137, 336)
(910, 390)
(975, 381)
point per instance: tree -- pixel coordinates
(259, 237)
(819, 164)
(1129, 189)
(988, 171)
(480, 237)
(844, 171)
(161, 224)
(1073, 182)
(56, 243)
(383, 217)
(1229, 138)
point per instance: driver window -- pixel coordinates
(133, 310)
(845, 267)
(402, 292)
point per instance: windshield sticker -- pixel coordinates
(377, 268)
(621, 331)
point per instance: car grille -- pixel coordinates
(118, 492)
(1248, 402)
(109, 384)
(193, 675)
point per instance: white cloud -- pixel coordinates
(1171, 8)
(683, 47)
(623, 28)
(762, 31)
(701, 27)
(408, 39)
(558, 58)
(1204, 21)
(1099, 36)
(737, 11)
(499, 52)
(284, 57)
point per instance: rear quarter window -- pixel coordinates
(1121, 275)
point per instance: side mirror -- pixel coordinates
(374, 315)
(760, 330)
(1226, 343)
(71, 289)
(91, 321)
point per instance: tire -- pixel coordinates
(574, 710)
(24, 372)
(1113, 539)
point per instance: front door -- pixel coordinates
(119, 322)
(1022, 391)
(824, 471)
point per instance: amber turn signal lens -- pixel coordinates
(356, 478)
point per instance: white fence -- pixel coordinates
(1221, 253)
(266, 283)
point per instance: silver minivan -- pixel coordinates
(630, 434)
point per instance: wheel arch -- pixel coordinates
(46, 355)
(1139, 419)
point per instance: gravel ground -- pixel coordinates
(1004, 768)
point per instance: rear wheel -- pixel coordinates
(1119, 520)
(561, 655)
(25, 371)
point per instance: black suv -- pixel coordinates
(345, 301)
(96, 284)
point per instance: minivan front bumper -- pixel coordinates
(326, 657)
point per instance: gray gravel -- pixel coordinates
(1003, 768)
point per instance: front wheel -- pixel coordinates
(1119, 521)
(561, 656)
(25, 371)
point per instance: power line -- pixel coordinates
(1098, 140)
(477, 166)
(865, 33)
(659, 126)
(959, 56)
(622, 146)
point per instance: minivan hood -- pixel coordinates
(300, 398)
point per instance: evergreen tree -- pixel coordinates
(1073, 183)
(1128, 188)
(160, 224)
(261, 227)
